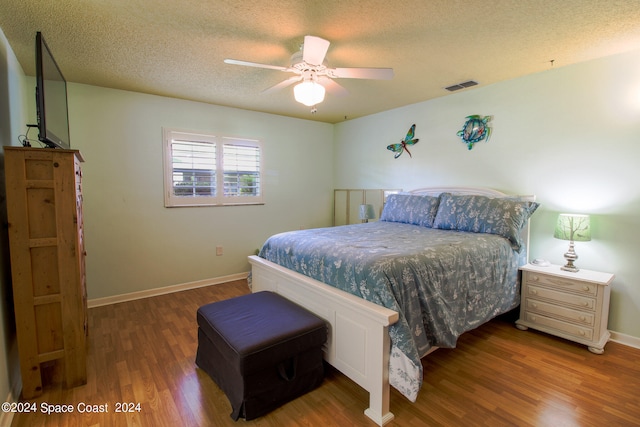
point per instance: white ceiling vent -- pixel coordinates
(462, 85)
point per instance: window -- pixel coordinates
(209, 170)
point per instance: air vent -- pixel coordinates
(462, 85)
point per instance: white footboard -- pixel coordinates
(358, 341)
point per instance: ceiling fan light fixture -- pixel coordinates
(309, 93)
(310, 66)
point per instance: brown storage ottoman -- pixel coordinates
(261, 349)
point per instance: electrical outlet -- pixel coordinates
(219, 250)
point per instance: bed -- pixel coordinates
(440, 261)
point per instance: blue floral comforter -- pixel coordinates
(441, 282)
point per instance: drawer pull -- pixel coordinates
(533, 291)
(586, 304)
(586, 288)
(582, 318)
(534, 305)
(582, 333)
(535, 278)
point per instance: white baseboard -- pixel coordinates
(6, 418)
(623, 339)
(97, 302)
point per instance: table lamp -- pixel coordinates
(574, 228)
(366, 213)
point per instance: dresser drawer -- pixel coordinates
(583, 333)
(582, 317)
(561, 283)
(574, 300)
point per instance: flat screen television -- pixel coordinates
(51, 98)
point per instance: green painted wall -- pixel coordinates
(13, 117)
(568, 135)
(133, 242)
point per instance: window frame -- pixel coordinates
(219, 199)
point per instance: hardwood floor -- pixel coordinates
(143, 352)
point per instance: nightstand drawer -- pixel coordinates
(562, 283)
(561, 297)
(583, 317)
(575, 330)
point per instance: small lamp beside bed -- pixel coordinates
(367, 213)
(574, 228)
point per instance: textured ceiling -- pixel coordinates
(176, 48)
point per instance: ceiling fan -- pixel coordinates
(310, 69)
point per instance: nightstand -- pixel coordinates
(574, 306)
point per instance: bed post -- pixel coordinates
(379, 390)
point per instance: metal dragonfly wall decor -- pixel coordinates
(398, 149)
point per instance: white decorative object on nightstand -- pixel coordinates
(570, 305)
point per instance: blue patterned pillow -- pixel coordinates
(480, 214)
(410, 209)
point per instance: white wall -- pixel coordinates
(569, 135)
(133, 242)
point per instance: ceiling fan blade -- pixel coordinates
(283, 84)
(255, 64)
(314, 50)
(362, 73)
(332, 87)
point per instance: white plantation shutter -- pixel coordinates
(193, 168)
(208, 170)
(241, 160)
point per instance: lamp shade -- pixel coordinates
(367, 212)
(309, 93)
(574, 227)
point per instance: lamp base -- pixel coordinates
(570, 267)
(570, 256)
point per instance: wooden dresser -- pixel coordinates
(44, 208)
(570, 305)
